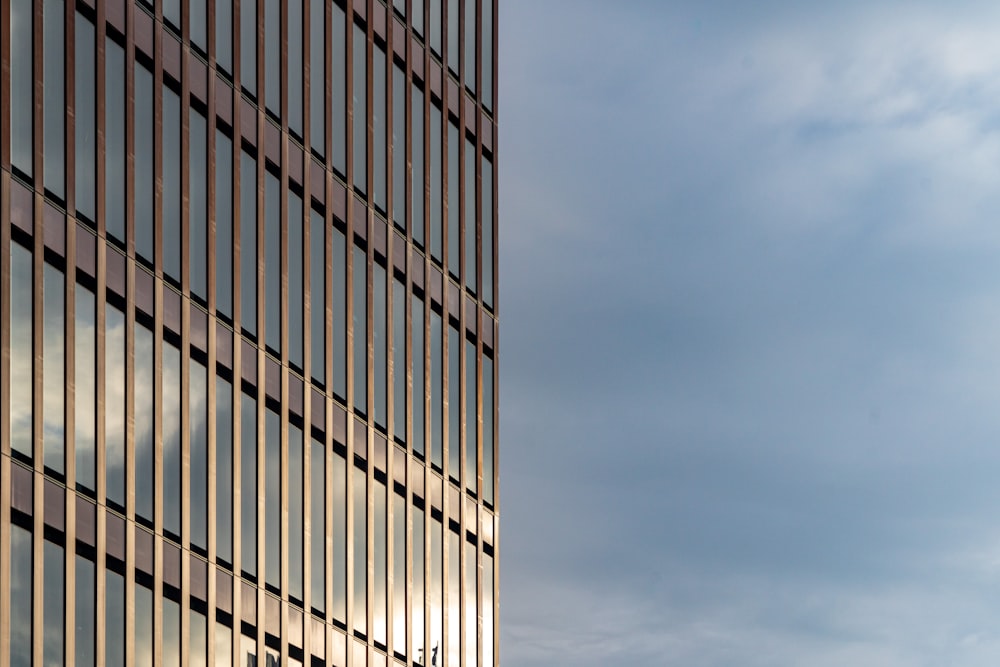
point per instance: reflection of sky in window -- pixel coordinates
(114, 403)
(85, 396)
(143, 433)
(20, 348)
(53, 367)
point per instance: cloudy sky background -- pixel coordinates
(750, 348)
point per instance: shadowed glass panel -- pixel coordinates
(419, 394)
(488, 408)
(272, 499)
(338, 292)
(399, 359)
(85, 126)
(198, 453)
(223, 224)
(198, 24)
(360, 329)
(21, 86)
(143, 162)
(417, 13)
(114, 139)
(248, 485)
(418, 193)
(471, 420)
(317, 77)
(469, 218)
(469, 66)
(171, 179)
(295, 69)
(487, 54)
(379, 343)
(436, 183)
(54, 95)
(317, 296)
(379, 127)
(272, 56)
(338, 87)
(20, 596)
(435, 26)
(398, 147)
(248, 46)
(248, 243)
(53, 613)
(198, 203)
(360, 109)
(54, 369)
(272, 261)
(172, 12)
(437, 398)
(224, 470)
(224, 35)
(454, 408)
(454, 215)
(296, 485)
(453, 53)
(487, 232)
(296, 293)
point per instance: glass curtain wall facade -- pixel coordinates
(248, 333)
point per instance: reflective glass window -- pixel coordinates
(360, 116)
(248, 485)
(296, 484)
(223, 646)
(248, 652)
(317, 295)
(53, 612)
(85, 111)
(380, 345)
(171, 402)
(399, 6)
(419, 395)
(143, 619)
(454, 409)
(435, 589)
(172, 13)
(21, 85)
(379, 127)
(418, 577)
(143, 162)
(454, 605)
(470, 599)
(272, 56)
(54, 369)
(248, 243)
(488, 429)
(487, 232)
(86, 610)
(380, 616)
(471, 421)
(85, 399)
(435, 26)
(171, 232)
(418, 16)
(223, 224)
(224, 470)
(469, 66)
(317, 530)
(454, 154)
(21, 354)
(399, 359)
(144, 370)
(198, 203)
(171, 649)
(338, 292)
(399, 573)
(198, 24)
(224, 35)
(295, 68)
(114, 619)
(436, 184)
(114, 139)
(317, 77)
(338, 511)
(469, 218)
(487, 54)
(338, 85)
(437, 399)
(272, 499)
(248, 46)
(198, 454)
(359, 540)
(398, 146)
(487, 611)
(20, 596)
(360, 329)
(296, 296)
(115, 383)
(453, 53)
(53, 95)
(417, 185)
(272, 261)
(198, 639)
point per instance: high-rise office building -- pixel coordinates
(248, 333)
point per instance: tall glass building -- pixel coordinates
(248, 333)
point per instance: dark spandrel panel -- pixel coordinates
(224, 470)
(296, 483)
(338, 509)
(317, 76)
(417, 183)
(114, 139)
(248, 243)
(54, 95)
(115, 536)
(360, 328)
(471, 420)
(454, 407)
(114, 619)
(85, 111)
(338, 84)
(399, 360)
(198, 454)
(272, 499)
(272, 56)
(317, 531)
(53, 613)
(86, 610)
(248, 485)
(380, 342)
(436, 191)
(54, 369)
(248, 46)
(86, 521)
(21, 44)
(20, 596)
(296, 292)
(469, 218)
(399, 147)
(454, 155)
(379, 127)
(437, 416)
(295, 69)
(453, 53)
(360, 108)
(419, 394)
(143, 431)
(114, 405)
(171, 179)
(223, 224)
(143, 162)
(272, 261)
(317, 296)
(469, 64)
(359, 542)
(198, 203)
(224, 35)
(54, 504)
(21, 353)
(85, 379)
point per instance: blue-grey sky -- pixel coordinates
(750, 333)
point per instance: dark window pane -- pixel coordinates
(248, 243)
(86, 610)
(272, 499)
(317, 76)
(399, 573)
(85, 399)
(171, 401)
(20, 596)
(143, 146)
(399, 360)
(144, 376)
(272, 261)
(224, 469)
(143, 626)
(198, 24)
(317, 295)
(338, 83)
(21, 355)
(224, 34)
(198, 642)
(419, 395)
(248, 46)
(198, 203)
(487, 54)
(418, 600)
(360, 329)
(338, 293)
(171, 634)
(295, 71)
(272, 56)
(359, 105)
(399, 147)
(436, 391)
(114, 619)
(114, 405)
(198, 453)
(54, 369)
(296, 483)
(435, 26)
(223, 224)
(86, 119)
(454, 409)
(380, 343)
(469, 66)
(487, 232)
(21, 87)
(378, 127)
(453, 36)
(359, 502)
(454, 155)
(53, 95)
(469, 221)
(488, 408)
(296, 295)
(114, 139)
(436, 185)
(471, 420)
(418, 188)
(52, 605)
(338, 509)
(248, 485)
(171, 232)
(317, 532)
